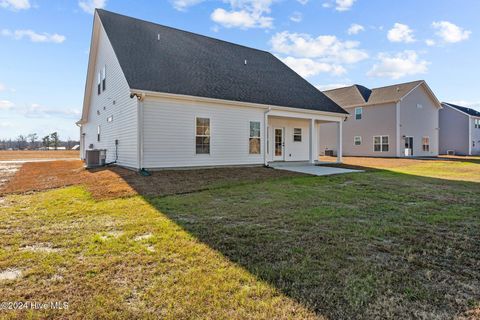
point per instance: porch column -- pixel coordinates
(339, 141)
(313, 142)
(265, 138)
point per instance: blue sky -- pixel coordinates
(44, 47)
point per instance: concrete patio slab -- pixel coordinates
(311, 169)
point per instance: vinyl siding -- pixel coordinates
(114, 101)
(294, 150)
(376, 120)
(475, 136)
(453, 131)
(169, 134)
(419, 122)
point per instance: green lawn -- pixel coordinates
(368, 245)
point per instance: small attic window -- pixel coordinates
(419, 106)
(104, 78)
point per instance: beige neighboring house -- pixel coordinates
(459, 130)
(400, 120)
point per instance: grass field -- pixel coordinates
(383, 244)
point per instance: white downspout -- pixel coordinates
(469, 135)
(265, 135)
(140, 98)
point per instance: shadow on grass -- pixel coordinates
(374, 245)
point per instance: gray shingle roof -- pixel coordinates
(185, 63)
(466, 110)
(360, 95)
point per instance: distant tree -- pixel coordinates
(55, 140)
(33, 137)
(46, 142)
(21, 142)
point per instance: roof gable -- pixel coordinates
(468, 111)
(162, 59)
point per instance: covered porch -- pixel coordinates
(294, 136)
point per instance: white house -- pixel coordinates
(400, 120)
(159, 97)
(459, 130)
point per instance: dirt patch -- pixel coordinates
(7, 171)
(38, 155)
(113, 182)
(41, 248)
(143, 237)
(10, 274)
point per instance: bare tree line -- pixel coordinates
(34, 142)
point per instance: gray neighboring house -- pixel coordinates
(459, 130)
(400, 120)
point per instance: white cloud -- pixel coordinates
(430, 42)
(296, 16)
(303, 2)
(15, 4)
(324, 87)
(5, 104)
(400, 33)
(244, 14)
(355, 28)
(327, 48)
(39, 111)
(2, 87)
(6, 124)
(396, 66)
(307, 67)
(89, 6)
(344, 5)
(450, 32)
(33, 36)
(182, 5)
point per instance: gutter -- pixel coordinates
(140, 97)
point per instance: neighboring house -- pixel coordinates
(395, 121)
(459, 130)
(159, 97)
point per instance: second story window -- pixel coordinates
(358, 113)
(98, 133)
(104, 78)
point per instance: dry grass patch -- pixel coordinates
(114, 182)
(38, 155)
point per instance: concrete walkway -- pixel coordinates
(307, 168)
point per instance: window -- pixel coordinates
(104, 77)
(419, 106)
(110, 119)
(254, 140)
(380, 143)
(477, 123)
(358, 113)
(357, 140)
(98, 83)
(297, 134)
(426, 143)
(98, 133)
(202, 136)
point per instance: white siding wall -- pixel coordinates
(475, 137)
(419, 122)
(124, 111)
(169, 134)
(294, 151)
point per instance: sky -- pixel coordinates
(44, 47)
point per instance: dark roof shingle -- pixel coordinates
(466, 110)
(185, 63)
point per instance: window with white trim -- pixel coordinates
(358, 113)
(357, 140)
(426, 144)
(380, 144)
(110, 119)
(254, 139)
(104, 78)
(297, 134)
(202, 135)
(477, 123)
(98, 133)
